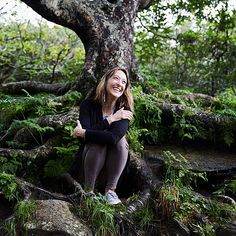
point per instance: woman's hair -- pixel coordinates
(126, 98)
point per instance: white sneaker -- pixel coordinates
(112, 198)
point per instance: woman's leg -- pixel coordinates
(94, 159)
(116, 159)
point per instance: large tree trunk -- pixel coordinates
(106, 29)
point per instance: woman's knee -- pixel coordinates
(122, 144)
(94, 147)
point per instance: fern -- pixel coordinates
(9, 166)
(8, 186)
(133, 136)
(64, 161)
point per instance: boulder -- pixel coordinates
(54, 217)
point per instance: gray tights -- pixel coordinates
(112, 157)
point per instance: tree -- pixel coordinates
(106, 29)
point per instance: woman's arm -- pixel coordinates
(111, 136)
(120, 115)
(86, 111)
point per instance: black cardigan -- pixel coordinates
(98, 130)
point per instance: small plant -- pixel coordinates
(8, 186)
(9, 228)
(144, 217)
(169, 197)
(134, 135)
(228, 187)
(177, 184)
(185, 129)
(178, 200)
(65, 155)
(9, 166)
(32, 124)
(99, 215)
(204, 229)
(24, 209)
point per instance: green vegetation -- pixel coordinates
(39, 53)
(98, 214)
(178, 200)
(8, 186)
(192, 47)
(184, 124)
(187, 67)
(24, 209)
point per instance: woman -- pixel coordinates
(102, 124)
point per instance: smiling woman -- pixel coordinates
(101, 128)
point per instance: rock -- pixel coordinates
(174, 228)
(201, 159)
(53, 217)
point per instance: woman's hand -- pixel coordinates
(79, 131)
(120, 115)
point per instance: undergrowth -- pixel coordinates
(178, 200)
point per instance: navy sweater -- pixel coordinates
(98, 130)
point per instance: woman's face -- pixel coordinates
(116, 84)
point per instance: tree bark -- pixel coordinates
(42, 152)
(206, 118)
(33, 87)
(106, 28)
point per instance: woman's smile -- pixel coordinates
(116, 84)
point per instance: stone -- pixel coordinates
(54, 217)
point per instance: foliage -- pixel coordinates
(147, 116)
(99, 215)
(225, 103)
(134, 136)
(24, 210)
(8, 186)
(9, 166)
(39, 53)
(229, 187)
(188, 44)
(178, 200)
(177, 183)
(9, 228)
(204, 229)
(64, 161)
(18, 107)
(144, 217)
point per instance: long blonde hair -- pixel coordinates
(126, 98)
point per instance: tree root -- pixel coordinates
(205, 118)
(42, 152)
(58, 122)
(33, 87)
(31, 191)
